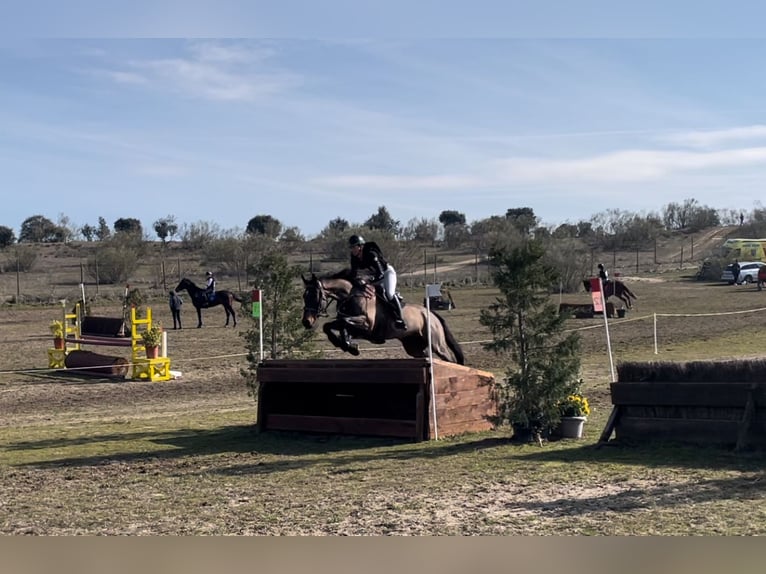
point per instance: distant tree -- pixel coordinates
(264, 225)
(114, 261)
(617, 229)
(570, 257)
(103, 232)
(23, 259)
(565, 230)
(88, 232)
(522, 218)
(689, 215)
(455, 235)
(494, 232)
(451, 217)
(383, 221)
(337, 225)
(227, 254)
(7, 236)
(292, 236)
(67, 229)
(39, 229)
(196, 235)
(128, 225)
(166, 227)
(421, 230)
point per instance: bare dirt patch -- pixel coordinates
(95, 456)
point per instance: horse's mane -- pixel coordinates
(345, 273)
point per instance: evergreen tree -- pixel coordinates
(103, 232)
(383, 221)
(544, 362)
(283, 334)
(264, 225)
(7, 236)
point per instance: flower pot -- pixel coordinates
(152, 352)
(58, 343)
(571, 427)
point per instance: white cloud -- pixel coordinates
(716, 137)
(630, 166)
(626, 166)
(399, 182)
(212, 71)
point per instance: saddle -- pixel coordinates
(369, 289)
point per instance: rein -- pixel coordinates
(324, 302)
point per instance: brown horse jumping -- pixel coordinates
(200, 300)
(361, 314)
(616, 288)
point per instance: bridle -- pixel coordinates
(321, 300)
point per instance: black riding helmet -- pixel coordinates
(355, 240)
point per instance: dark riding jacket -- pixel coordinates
(372, 260)
(175, 302)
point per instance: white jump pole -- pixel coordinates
(431, 365)
(606, 329)
(655, 334)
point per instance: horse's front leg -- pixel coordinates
(342, 340)
(199, 317)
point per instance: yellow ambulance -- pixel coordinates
(744, 249)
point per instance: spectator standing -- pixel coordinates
(175, 303)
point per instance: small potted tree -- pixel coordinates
(57, 330)
(152, 338)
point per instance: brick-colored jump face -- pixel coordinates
(374, 397)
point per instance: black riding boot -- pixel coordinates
(398, 317)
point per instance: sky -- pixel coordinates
(309, 121)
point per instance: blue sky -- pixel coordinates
(308, 128)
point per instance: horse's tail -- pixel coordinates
(451, 341)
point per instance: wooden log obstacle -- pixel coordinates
(111, 332)
(702, 402)
(374, 397)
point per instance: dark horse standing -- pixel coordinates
(360, 313)
(616, 288)
(200, 300)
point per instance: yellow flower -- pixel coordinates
(574, 405)
(57, 329)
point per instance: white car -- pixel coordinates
(748, 272)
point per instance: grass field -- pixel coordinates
(91, 456)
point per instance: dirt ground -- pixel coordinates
(214, 477)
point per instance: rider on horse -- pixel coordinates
(210, 286)
(367, 256)
(603, 275)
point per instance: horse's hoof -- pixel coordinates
(354, 350)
